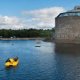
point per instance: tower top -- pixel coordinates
(77, 8)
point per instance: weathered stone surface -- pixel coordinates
(67, 29)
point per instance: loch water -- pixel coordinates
(40, 61)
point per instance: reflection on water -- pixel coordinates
(68, 61)
(51, 61)
(73, 49)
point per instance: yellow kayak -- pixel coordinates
(12, 62)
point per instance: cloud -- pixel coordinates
(7, 22)
(4, 20)
(43, 18)
(39, 19)
(45, 12)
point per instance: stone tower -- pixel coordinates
(67, 26)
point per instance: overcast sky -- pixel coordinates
(39, 14)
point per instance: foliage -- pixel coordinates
(26, 33)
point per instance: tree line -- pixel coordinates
(4, 33)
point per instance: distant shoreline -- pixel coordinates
(22, 38)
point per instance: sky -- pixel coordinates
(39, 14)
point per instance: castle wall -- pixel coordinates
(67, 29)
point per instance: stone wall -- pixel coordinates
(67, 29)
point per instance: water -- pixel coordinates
(50, 61)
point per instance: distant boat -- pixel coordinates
(37, 46)
(38, 43)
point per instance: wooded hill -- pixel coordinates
(4, 33)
